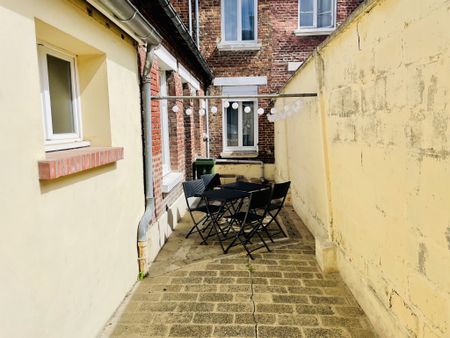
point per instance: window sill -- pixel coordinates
(239, 154)
(170, 181)
(238, 46)
(63, 163)
(313, 31)
(66, 146)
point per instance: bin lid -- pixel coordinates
(205, 161)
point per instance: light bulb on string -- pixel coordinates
(201, 112)
(235, 105)
(214, 109)
(260, 111)
(247, 109)
(226, 104)
(273, 110)
(175, 109)
(188, 111)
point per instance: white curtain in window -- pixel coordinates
(230, 13)
(307, 13)
(324, 13)
(248, 125)
(248, 19)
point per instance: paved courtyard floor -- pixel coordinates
(196, 291)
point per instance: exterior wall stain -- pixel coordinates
(377, 146)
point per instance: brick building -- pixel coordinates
(178, 68)
(255, 56)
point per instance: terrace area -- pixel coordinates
(196, 291)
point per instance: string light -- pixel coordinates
(260, 111)
(235, 105)
(247, 109)
(201, 112)
(273, 111)
(214, 109)
(188, 111)
(226, 104)
(175, 109)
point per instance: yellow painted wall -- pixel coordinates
(371, 162)
(67, 248)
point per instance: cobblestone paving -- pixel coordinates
(279, 294)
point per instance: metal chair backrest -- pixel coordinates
(193, 188)
(260, 199)
(211, 181)
(280, 190)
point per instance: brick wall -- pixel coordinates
(184, 136)
(277, 20)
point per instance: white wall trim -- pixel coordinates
(293, 66)
(168, 61)
(188, 77)
(241, 81)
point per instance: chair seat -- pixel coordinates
(202, 208)
(250, 218)
(275, 205)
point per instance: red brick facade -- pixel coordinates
(185, 136)
(277, 21)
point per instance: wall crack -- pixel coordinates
(250, 269)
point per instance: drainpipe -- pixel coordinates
(190, 17)
(197, 24)
(148, 161)
(207, 124)
(261, 164)
(129, 16)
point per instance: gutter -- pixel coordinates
(128, 15)
(184, 32)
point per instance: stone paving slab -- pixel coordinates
(208, 294)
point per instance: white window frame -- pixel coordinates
(164, 120)
(239, 40)
(240, 147)
(68, 140)
(314, 30)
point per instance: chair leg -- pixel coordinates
(195, 227)
(274, 219)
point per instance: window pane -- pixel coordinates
(306, 6)
(324, 20)
(324, 6)
(248, 20)
(306, 19)
(248, 125)
(230, 19)
(232, 127)
(60, 87)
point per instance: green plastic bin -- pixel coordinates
(203, 166)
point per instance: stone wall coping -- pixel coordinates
(63, 163)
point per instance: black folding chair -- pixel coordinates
(194, 190)
(250, 222)
(279, 194)
(211, 181)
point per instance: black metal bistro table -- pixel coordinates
(230, 201)
(244, 186)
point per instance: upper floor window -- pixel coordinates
(316, 17)
(60, 98)
(239, 21)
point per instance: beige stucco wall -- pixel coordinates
(251, 171)
(370, 160)
(67, 248)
